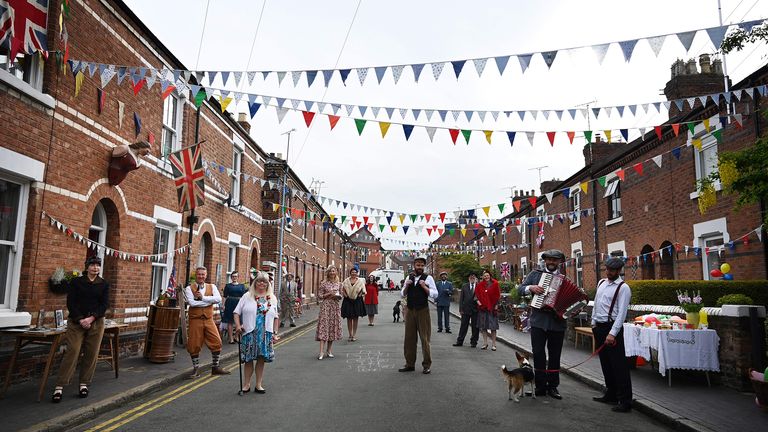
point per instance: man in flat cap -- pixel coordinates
(547, 330)
(419, 288)
(444, 292)
(611, 304)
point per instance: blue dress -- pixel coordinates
(232, 292)
(258, 343)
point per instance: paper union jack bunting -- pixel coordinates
(23, 26)
(189, 176)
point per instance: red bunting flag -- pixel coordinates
(454, 135)
(516, 204)
(429, 231)
(442, 217)
(620, 174)
(168, 90)
(332, 119)
(365, 220)
(440, 231)
(638, 167)
(532, 200)
(551, 136)
(427, 216)
(570, 136)
(138, 86)
(676, 128)
(308, 116)
(658, 131)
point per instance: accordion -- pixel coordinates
(561, 295)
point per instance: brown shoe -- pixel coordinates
(219, 371)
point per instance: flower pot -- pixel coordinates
(58, 288)
(693, 319)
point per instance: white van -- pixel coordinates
(394, 275)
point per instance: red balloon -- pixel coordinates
(716, 273)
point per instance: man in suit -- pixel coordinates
(468, 311)
(444, 291)
(547, 330)
(287, 301)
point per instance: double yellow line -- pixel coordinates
(172, 395)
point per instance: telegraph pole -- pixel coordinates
(283, 191)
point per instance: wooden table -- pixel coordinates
(24, 337)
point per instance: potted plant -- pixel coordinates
(691, 306)
(59, 281)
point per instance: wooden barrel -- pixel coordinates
(161, 333)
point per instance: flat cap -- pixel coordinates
(554, 253)
(422, 258)
(614, 263)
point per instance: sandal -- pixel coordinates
(330, 355)
(485, 347)
(83, 391)
(57, 394)
(493, 348)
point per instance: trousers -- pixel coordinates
(467, 320)
(547, 345)
(613, 361)
(203, 330)
(286, 309)
(76, 338)
(417, 324)
(444, 317)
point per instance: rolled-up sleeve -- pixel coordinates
(622, 304)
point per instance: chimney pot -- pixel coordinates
(717, 67)
(690, 67)
(242, 120)
(704, 64)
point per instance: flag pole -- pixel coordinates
(283, 188)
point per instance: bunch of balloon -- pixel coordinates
(723, 272)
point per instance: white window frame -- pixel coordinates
(9, 302)
(619, 246)
(201, 254)
(574, 205)
(709, 230)
(613, 195)
(167, 265)
(708, 142)
(175, 125)
(102, 230)
(231, 259)
(32, 77)
(237, 170)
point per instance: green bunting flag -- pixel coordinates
(360, 123)
(690, 127)
(343, 218)
(466, 133)
(601, 180)
(413, 218)
(381, 227)
(501, 208)
(718, 134)
(199, 98)
(588, 136)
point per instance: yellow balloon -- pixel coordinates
(725, 268)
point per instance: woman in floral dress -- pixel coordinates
(255, 321)
(329, 318)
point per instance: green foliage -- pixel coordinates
(734, 299)
(738, 39)
(510, 288)
(664, 292)
(460, 266)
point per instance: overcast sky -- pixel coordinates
(418, 176)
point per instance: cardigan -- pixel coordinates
(87, 298)
(488, 293)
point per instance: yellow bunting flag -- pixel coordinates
(463, 232)
(402, 219)
(384, 126)
(225, 101)
(275, 207)
(486, 210)
(706, 124)
(78, 82)
(488, 135)
(585, 186)
(394, 228)
(696, 143)
(608, 135)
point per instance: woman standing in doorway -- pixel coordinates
(353, 306)
(371, 299)
(329, 317)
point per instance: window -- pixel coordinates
(98, 233)
(577, 255)
(710, 256)
(575, 207)
(11, 238)
(364, 254)
(613, 194)
(647, 266)
(237, 168)
(706, 158)
(314, 234)
(709, 236)
(306, 222)
(26, 67)
(162, 244)
(172, 109)
(231, 259)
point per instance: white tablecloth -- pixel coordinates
(678, 349)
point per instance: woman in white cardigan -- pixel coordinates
(256, 323)
(353, 306)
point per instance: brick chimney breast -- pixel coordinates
(686, 81)
(242, 120)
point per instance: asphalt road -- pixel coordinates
(361, 389)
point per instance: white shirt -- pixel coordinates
(206, 301)
(247, 309)
(430, 284)
(603, 299)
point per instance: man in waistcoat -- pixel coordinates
(418, 288)
(201, 297)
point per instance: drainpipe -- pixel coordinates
(595, 219)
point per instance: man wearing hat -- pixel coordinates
(418, 288)
(547, 330)
(444, 291)
(611, 304)
(468, 311)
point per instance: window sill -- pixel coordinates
(25, 88)
(576, 225)
(614, 221)
(695, 194)
(15, 319)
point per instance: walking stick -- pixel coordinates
(240, 364)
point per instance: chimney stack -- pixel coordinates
(242, 120)
(688, 80)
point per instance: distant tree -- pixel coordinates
(460, 266)
(738, 39)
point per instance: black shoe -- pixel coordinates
(406, 369)
(260, 391)
(293, 325)
(622, 408)
(448, 331)
(426, 371)
(439, 330)
(540, 392)
(605, 399)
(282, 325)
(458, 344)
(553, 393)
(473, 346)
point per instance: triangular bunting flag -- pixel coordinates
(332, 119)
(360, 124)
(308, 116)
(384, 126)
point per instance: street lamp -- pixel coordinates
(284, 188)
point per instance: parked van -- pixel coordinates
(381, 276)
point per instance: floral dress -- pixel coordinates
(258, 343)
(329, 317)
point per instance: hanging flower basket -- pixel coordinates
(59, 281)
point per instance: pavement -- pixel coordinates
(376, 396)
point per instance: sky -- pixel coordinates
(419, 176)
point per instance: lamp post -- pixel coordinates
(283, 189)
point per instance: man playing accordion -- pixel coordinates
(547, 329)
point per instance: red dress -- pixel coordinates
(488, 293)
(371, 294)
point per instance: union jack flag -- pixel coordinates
(505, 271)
(189, 176)
(171, 289)
(24, 26)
